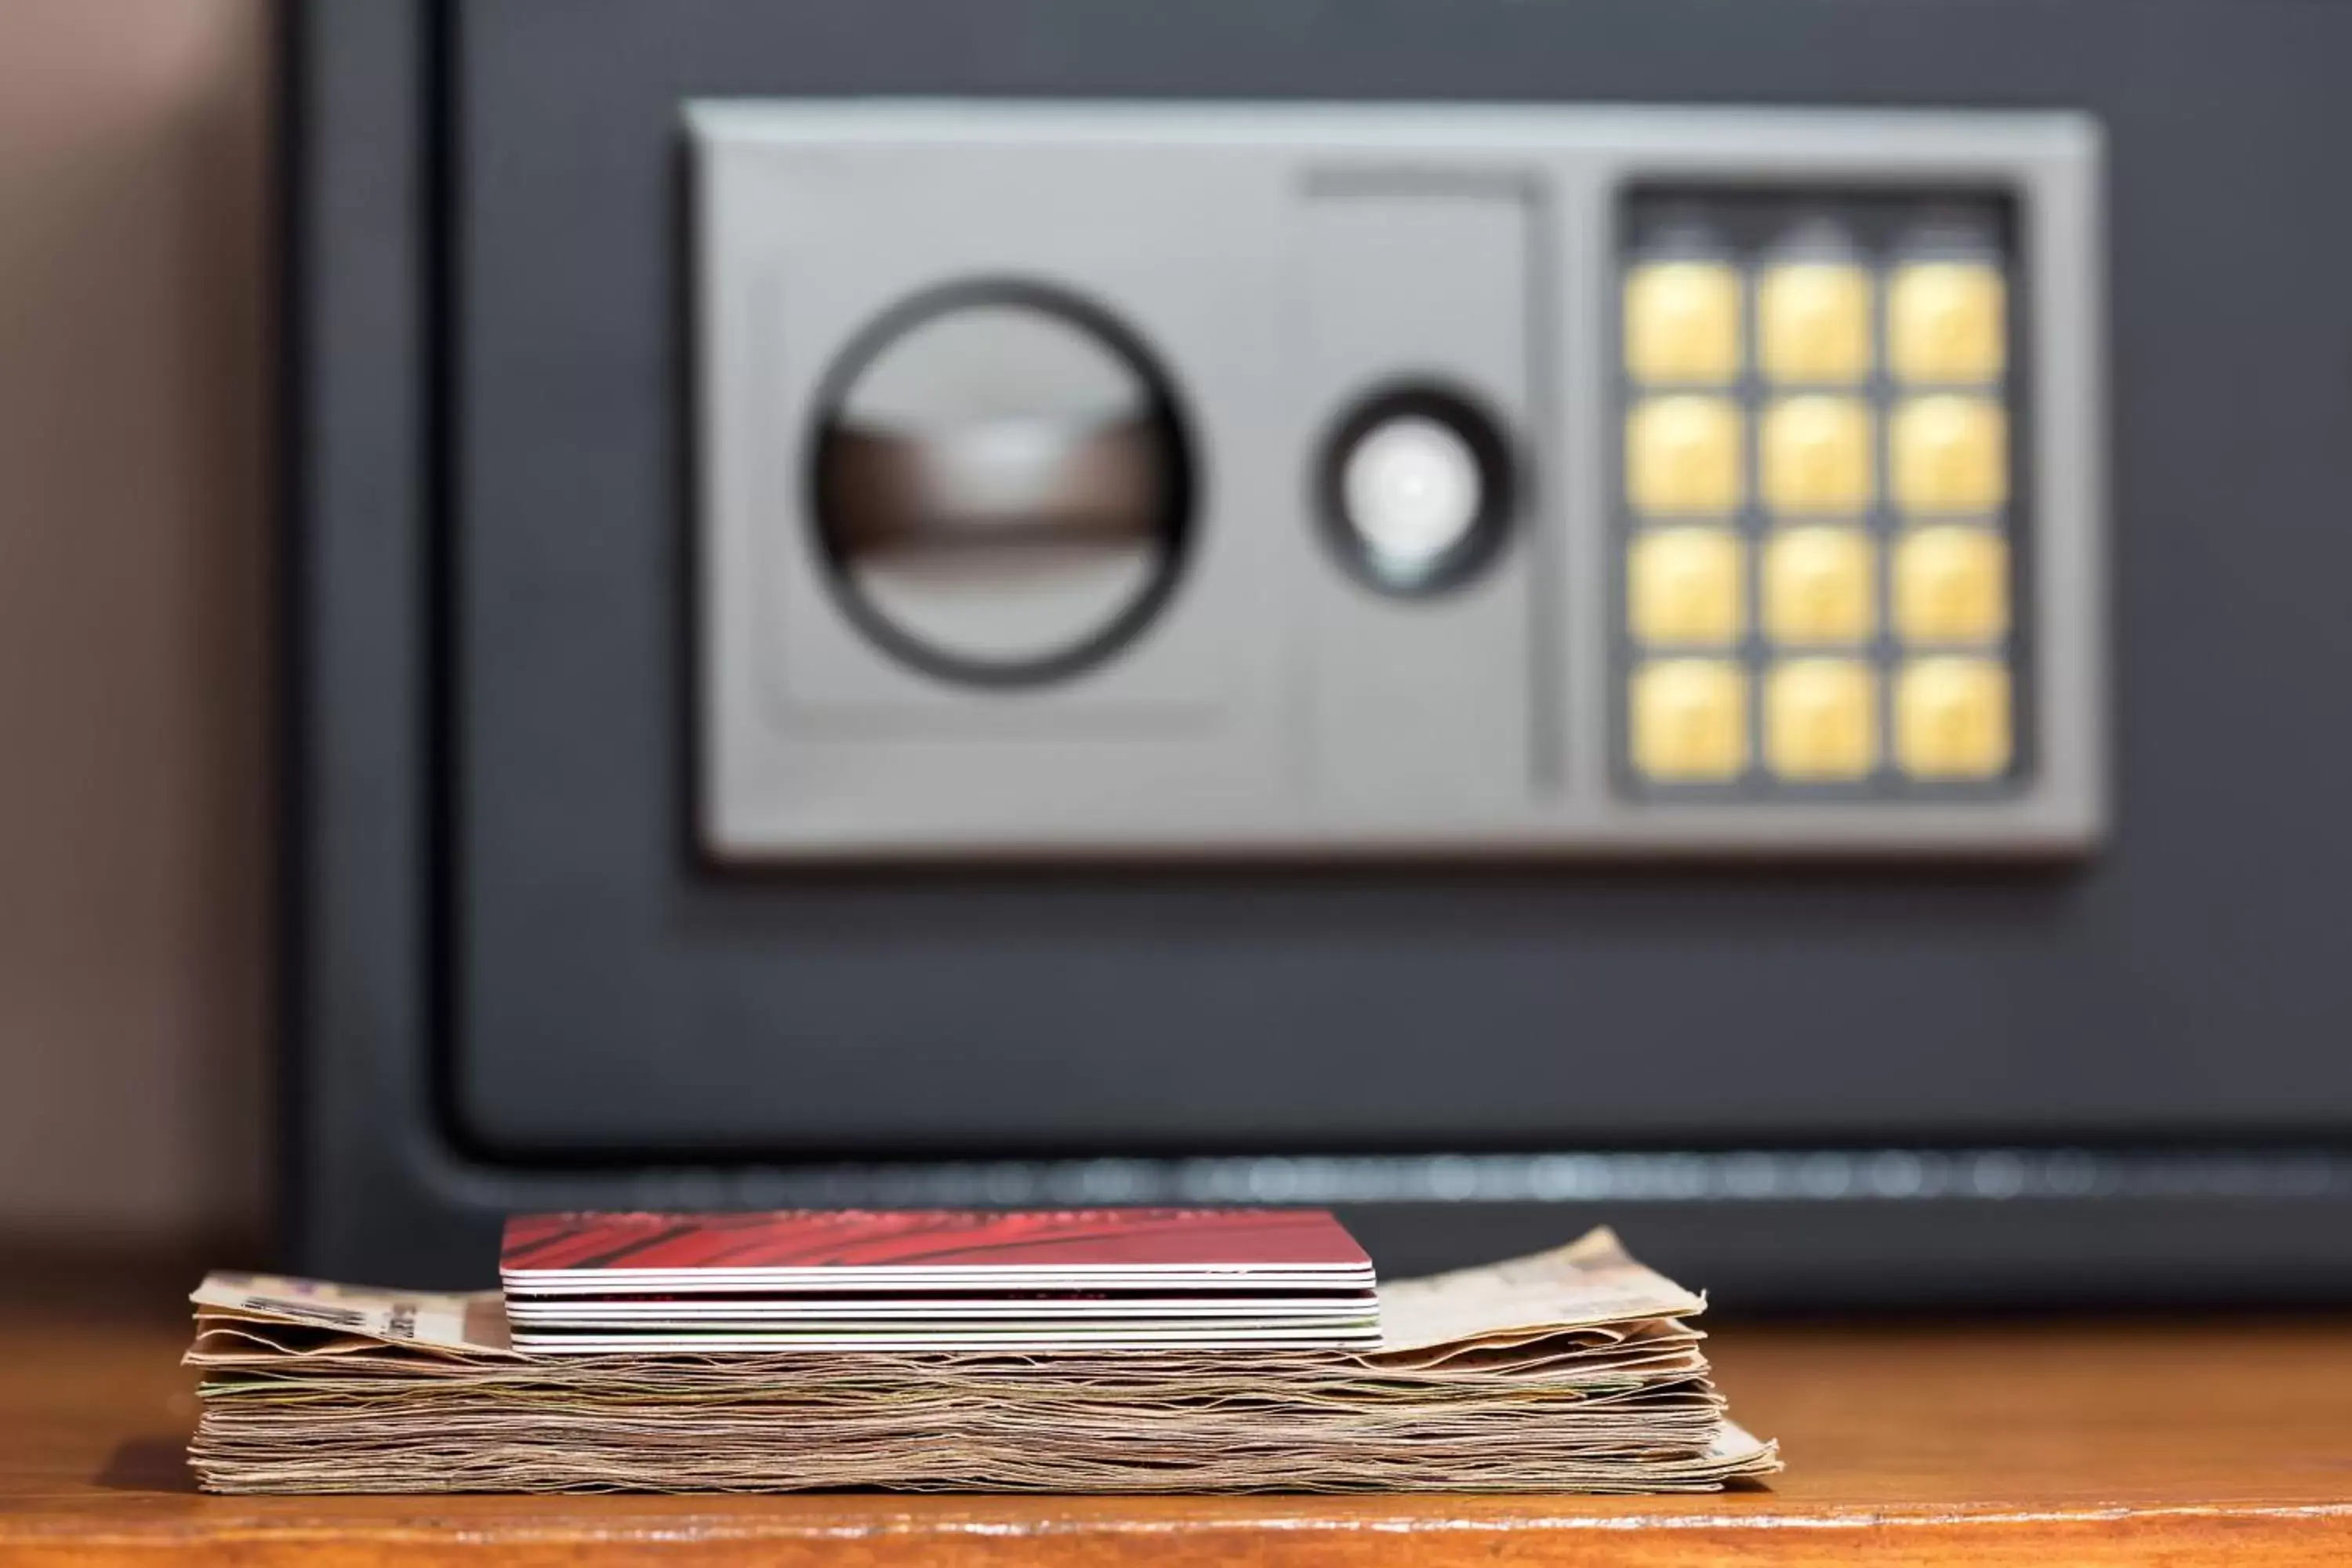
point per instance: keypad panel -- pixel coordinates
(1819, 488)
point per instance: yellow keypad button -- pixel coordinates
(1690, 720)
(1820, 718)
(1682, 321)
(1812, 322)
(1682, 456)
(1683, 586)
(1816, 455)
(1946, 320)
(1951, 585)
(1820, 585)
(1950, 455)
(1951, 719)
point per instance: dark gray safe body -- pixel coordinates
(514, 986)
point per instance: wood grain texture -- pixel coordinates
(2054, 1445)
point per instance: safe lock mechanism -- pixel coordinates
(1000, 483)
(1104, 479)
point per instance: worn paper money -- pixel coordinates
(1573, 1370)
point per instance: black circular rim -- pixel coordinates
(1500, 486)
(1174, 527)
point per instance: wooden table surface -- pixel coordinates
(2054, 1444)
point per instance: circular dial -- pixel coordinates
(1001, 484)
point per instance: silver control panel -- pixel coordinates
(1090, 480)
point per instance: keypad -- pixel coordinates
(1817, 493)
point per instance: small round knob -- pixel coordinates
(1412, 489)
(1417, 489)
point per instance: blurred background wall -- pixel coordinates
(134, 599)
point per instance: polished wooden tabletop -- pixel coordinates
(2056, 1444)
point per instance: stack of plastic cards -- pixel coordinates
(928, 1280)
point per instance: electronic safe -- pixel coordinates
(1722, 618)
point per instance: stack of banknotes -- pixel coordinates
(1575, 1370)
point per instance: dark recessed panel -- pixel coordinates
(613, 995)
